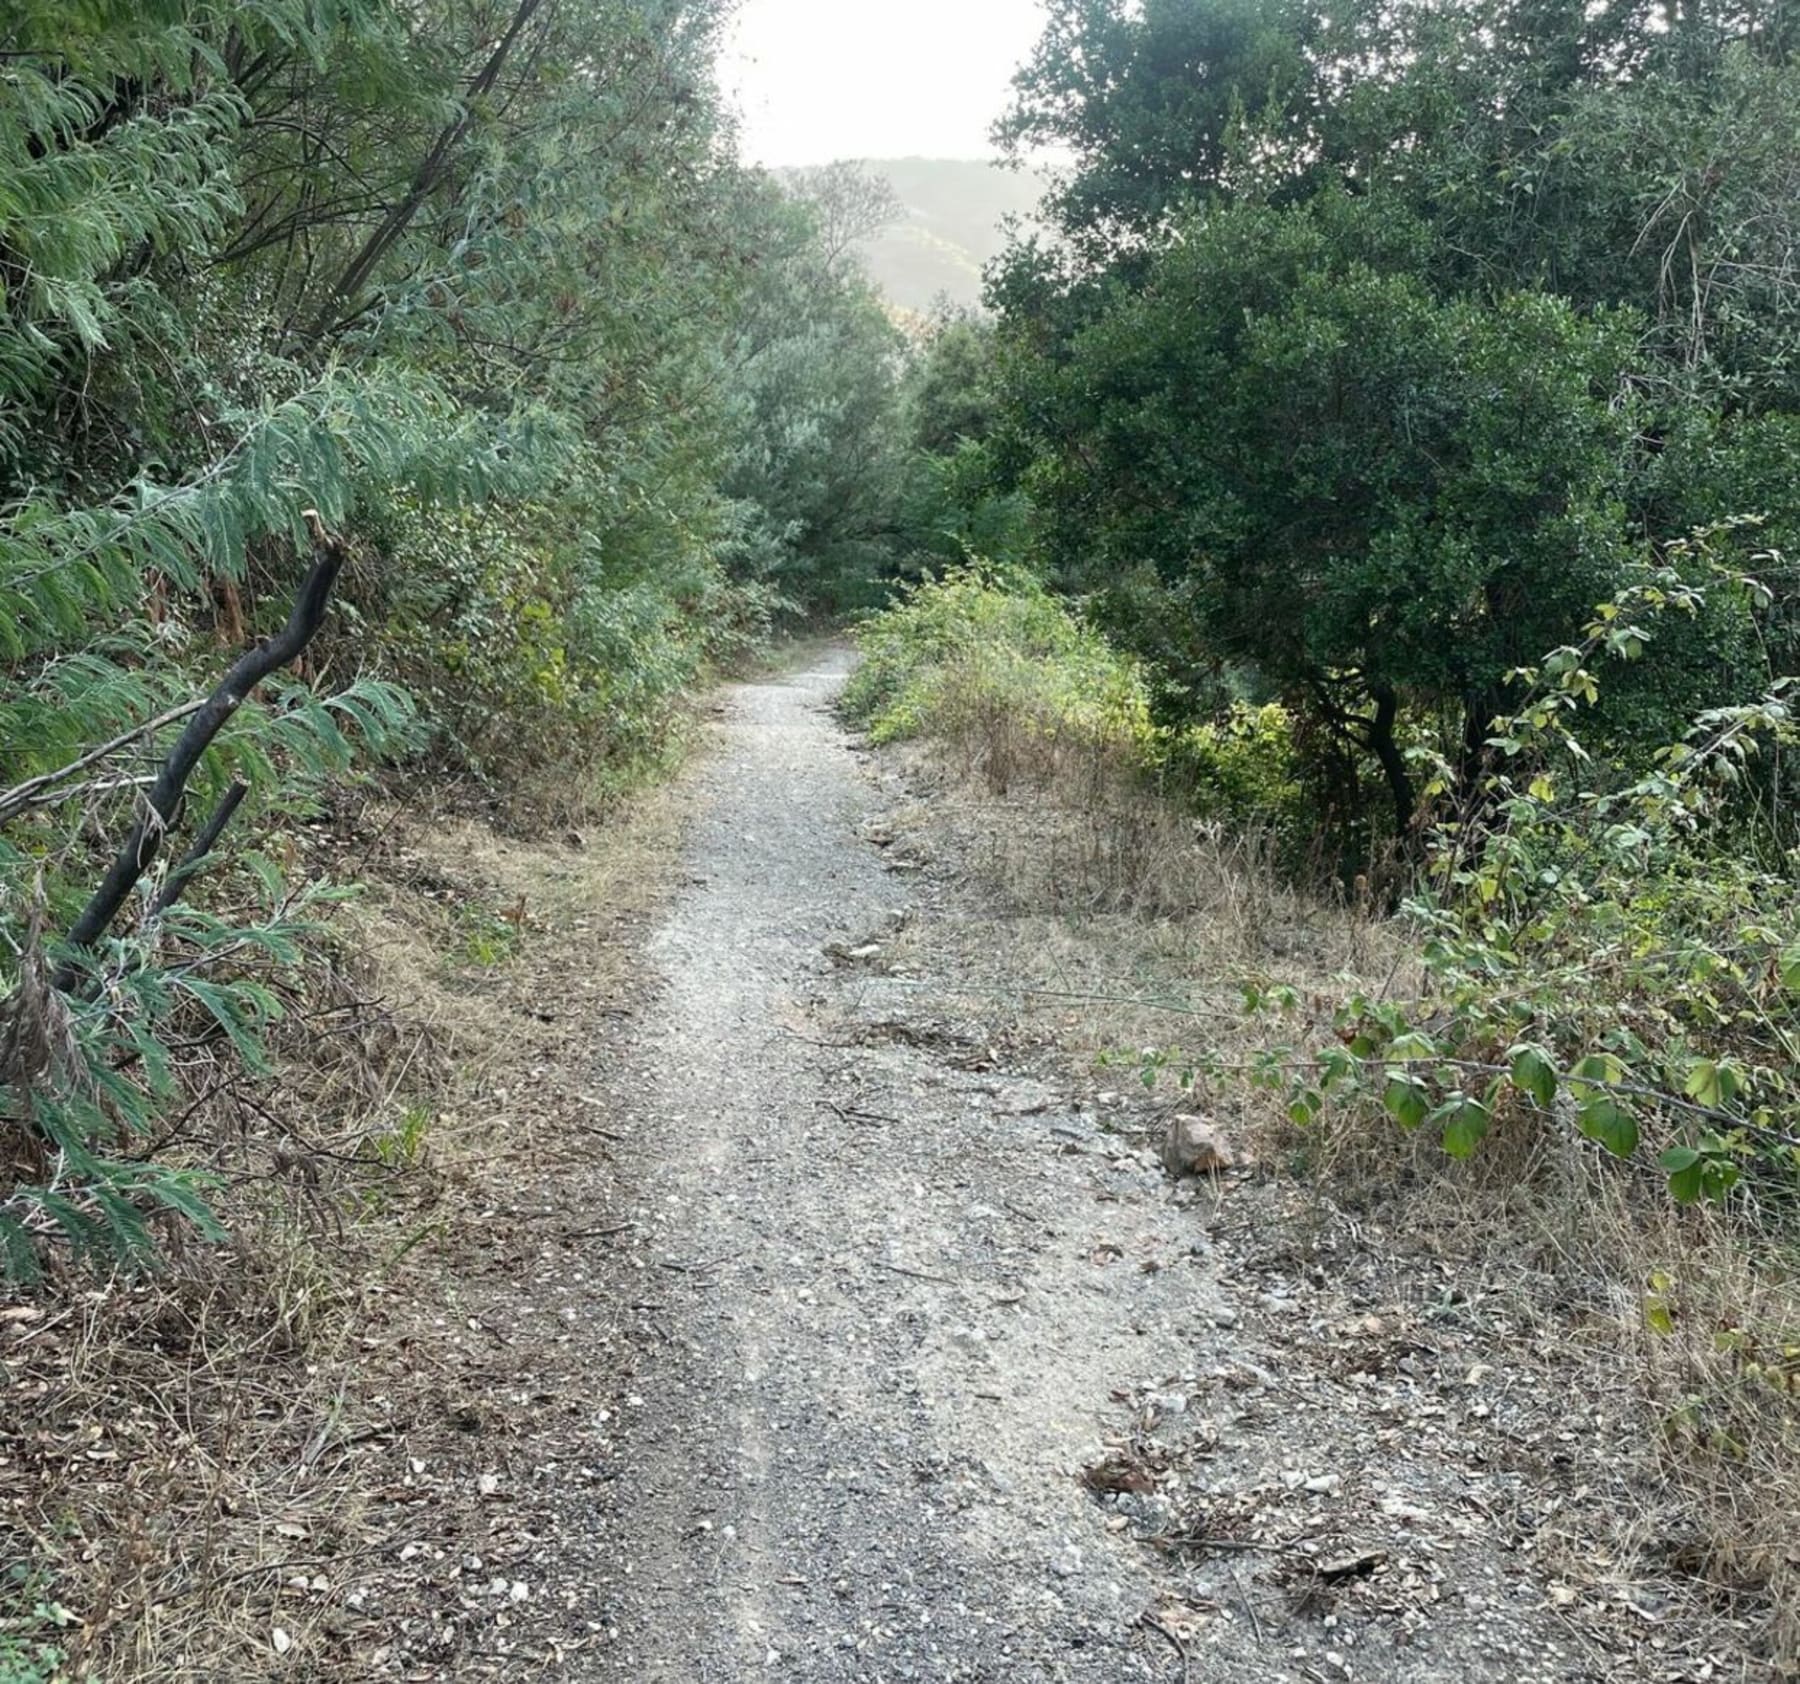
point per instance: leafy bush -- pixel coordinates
(1243, 769)
(538, 355)
(980, 647)
(1615, 959)
(524, 651)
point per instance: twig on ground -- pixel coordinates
(1244, 1597)
(851, 1114)
(1154, 1624)
(1225, 1546)
(913, 1274)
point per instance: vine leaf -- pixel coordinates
(1465, 1121)
(1533, 1073)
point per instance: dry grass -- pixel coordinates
(194, 1469)
(1117, 926)
(1108, 916)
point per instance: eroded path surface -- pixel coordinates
(874, 1346)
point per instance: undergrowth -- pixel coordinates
(1588, 984)
(196, 1457)
(988, 659)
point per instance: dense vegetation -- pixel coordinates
(1405, 415)
(1387, 452)
(453, 334)
(1380, 346)
(1413, 393)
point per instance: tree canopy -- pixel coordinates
(1380, 343)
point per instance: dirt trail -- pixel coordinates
(884, 1303)
(855, 1456)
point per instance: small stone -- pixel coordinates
(1194, 1146)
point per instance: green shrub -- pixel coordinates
(1244, 769)
(979, 642)
(1615, 960)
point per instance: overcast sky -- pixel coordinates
(822, 79)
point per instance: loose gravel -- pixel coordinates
(907, 1361)
(855, 1454)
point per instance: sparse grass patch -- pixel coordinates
(490, 936)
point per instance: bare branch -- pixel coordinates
(30, 793)
(145, 842)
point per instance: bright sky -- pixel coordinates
(817, 80)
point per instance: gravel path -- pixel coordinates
(883, 1334)
(798, 1333)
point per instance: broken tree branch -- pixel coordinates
(431, 171)
(183, 874)
(249, 670)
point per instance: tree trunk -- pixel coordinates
(341, 301)
(1386, 750)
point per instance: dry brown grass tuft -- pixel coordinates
(1104, 921)
(1113, 919)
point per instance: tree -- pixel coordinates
(1372, 498)
(954, 505)
(850, 207)
(814, 367)
(1382, 338)
(479, 286)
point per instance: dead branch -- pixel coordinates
(196, 856)
(31, 793)
(249, 670)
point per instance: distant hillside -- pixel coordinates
(954, 212)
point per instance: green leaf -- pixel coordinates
(1790, 970)
(1597, 1069)
(1534, 1074)
(1337, 1066)
(226, 1006)
(1306, 1106)
(1602, 1118)
(1412, 1045)
(1687, 1186)
(18, 1255)
(1709, 1083)
(1466, 1122)
(1406, 1099)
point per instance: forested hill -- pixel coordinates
(953, 224)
